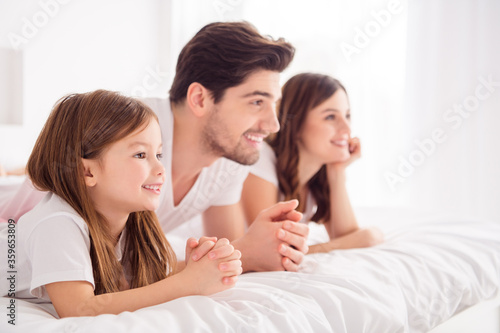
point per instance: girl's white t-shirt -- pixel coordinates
(265, 168)
(52, 245)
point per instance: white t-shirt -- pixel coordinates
(52, 244)
(219, 184)
(265, 168)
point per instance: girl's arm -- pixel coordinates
(342, 226)
(202, 277)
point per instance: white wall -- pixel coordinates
(80, 46)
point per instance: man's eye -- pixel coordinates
(140, 155)
(258, 103)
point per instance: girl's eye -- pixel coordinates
(330, 117)
(348, 116)
(140, 155)
(159, 156)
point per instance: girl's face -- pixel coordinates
(129, 175)
(324, 137)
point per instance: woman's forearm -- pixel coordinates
(357, 239)
(342, 218)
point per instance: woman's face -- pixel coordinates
(324, 137)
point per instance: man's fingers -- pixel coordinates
(279, 210)
(300, 229)
(291, 253)
(294, 216)
(289, 265)
(298, 242)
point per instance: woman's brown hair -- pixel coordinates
(82, 126)
(223, 54)
(300, 94)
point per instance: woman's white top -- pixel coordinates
(52, 244)
(265, 168)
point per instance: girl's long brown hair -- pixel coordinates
(82, 126)
(300, 94)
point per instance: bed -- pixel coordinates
(430, 268)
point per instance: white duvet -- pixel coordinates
(424, 273)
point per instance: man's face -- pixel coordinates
(238, 124)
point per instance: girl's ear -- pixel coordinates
(198, 99)
(88, 167)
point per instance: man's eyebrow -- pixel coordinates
(258, 93)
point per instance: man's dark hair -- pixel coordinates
(223, 54)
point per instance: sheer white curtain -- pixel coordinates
(453, 91)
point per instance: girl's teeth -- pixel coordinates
(152, 187)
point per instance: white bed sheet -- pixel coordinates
(429, 269)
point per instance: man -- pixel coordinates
(221, 107)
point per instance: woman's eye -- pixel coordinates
(348, 116)
(140, 155)
(330, 117)
(159, 156)
(258, 103)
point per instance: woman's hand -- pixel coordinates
(354, 147)
(216, 270)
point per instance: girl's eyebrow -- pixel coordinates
(141, 143)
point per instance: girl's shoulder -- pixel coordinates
(51, 208)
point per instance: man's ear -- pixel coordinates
(198, 99)
(88, 172)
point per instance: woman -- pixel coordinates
(306, 160)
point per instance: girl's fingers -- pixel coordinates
(204, 239)
(221, 242)
(202, 249)
(229, 280)
(229, 268)
(222, 249)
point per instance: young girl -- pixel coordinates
(93, 245)
(306, 160)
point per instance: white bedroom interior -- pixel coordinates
(423, 79)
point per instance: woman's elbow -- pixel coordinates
(372, 236)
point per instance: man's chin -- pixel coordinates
(249, 159)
